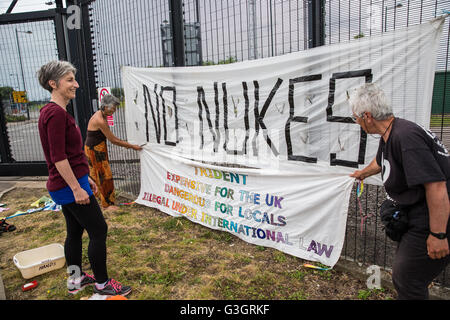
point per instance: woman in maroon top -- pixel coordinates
(69, 184)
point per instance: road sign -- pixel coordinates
(20, 96)
(101, 93)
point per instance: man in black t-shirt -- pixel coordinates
(415, 168)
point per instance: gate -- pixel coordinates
(29, 40)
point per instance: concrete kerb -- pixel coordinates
(9, 183)
(2, 289)
(6, 187)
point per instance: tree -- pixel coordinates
(117, 92)
(225, 61)
(5, 92)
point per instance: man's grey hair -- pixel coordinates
(109, 101)
(370, 98)
(54, 70)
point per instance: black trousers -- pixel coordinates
(90, 218)
(413, 269)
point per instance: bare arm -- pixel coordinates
(114, 140)
(64, 169)
(370, 170)
(439, 208)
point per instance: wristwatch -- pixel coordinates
(439, 235)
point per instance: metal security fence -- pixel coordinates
(28, 40)
(348, 20)
(134, 33)
(140, 33)
(125, 33)
(245, 30)
(366, 241)
(26, 46)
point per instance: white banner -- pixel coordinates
(286, 117)
(301, 211)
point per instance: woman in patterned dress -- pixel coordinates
(98, 132)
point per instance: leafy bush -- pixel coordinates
(11, 118)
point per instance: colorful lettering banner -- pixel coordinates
(286, 211)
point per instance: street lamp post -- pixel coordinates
(20, 56)
(11, 99)
(20, 62)
(17, 79)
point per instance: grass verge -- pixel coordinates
(168, 258)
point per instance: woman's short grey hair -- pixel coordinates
(370, 98)
(109, 101)
(54, 70)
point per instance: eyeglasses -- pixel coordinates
(354, 118)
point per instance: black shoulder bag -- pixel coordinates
(394, 219)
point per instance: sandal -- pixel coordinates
(6, 227)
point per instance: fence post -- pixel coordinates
(316, 23)
(60, 31)
(5, 147)
(80, 53)
(177, 28)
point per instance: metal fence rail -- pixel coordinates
(25, 46)
(129, 33)
(28, 40)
